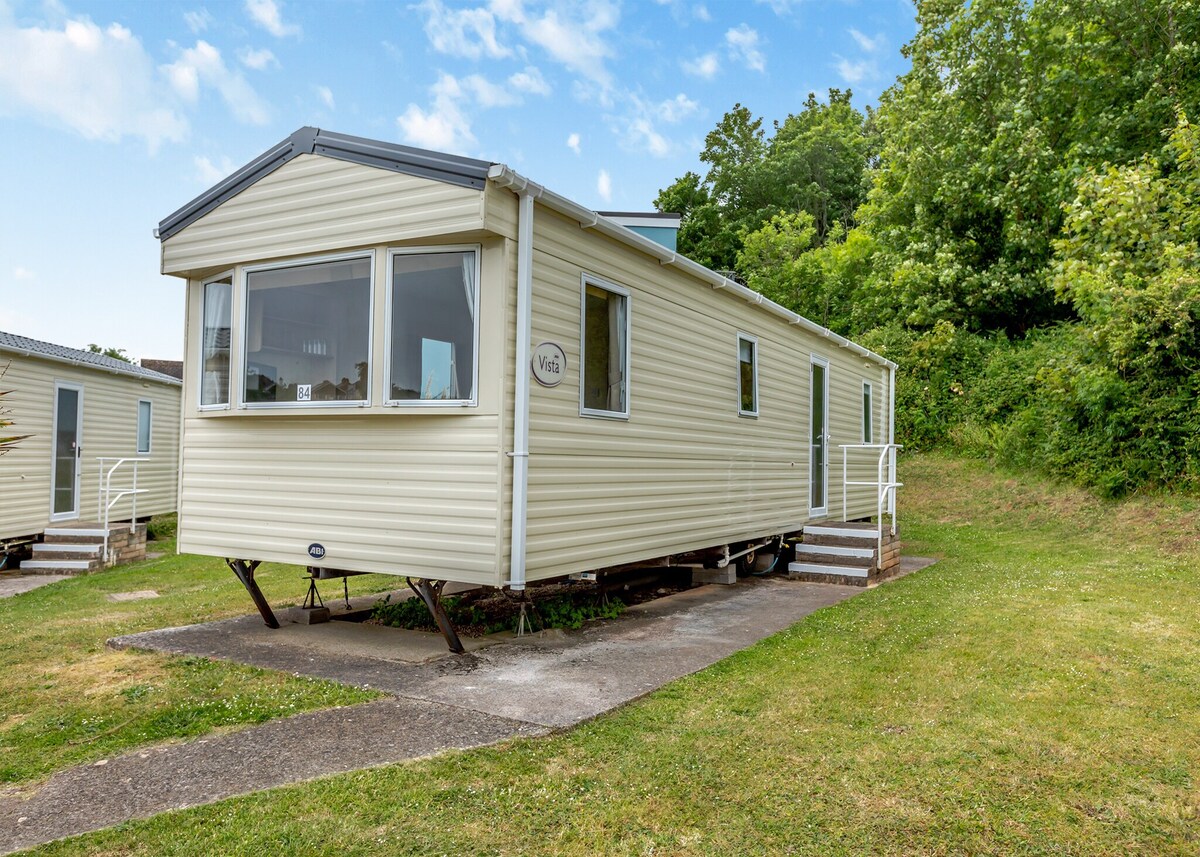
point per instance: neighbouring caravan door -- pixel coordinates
(68, 427)
(818, 457)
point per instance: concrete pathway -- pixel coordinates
(14, 583)
(526, 687)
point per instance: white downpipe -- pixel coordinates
(520, 453)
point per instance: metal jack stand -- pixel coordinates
(313, 599)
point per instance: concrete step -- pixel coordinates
(816, 557)
(71, 552)
(860, 532)
(61, 566)
(825, 569)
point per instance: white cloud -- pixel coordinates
(573, 37)
(444, 126)
(781, 7)
(20, 273)
(573, 143)
(705, 67)
(604, 186)
(209, 173)
(743, 42)
(530, 80)
(469, 33)
(868, 44)
(198, 21)
(700, 11)
(101, 83)
(267, 14)
(326, 95)
(638, 129)
(488, 94)
(203, 64)
(857, 72)
(257, 59)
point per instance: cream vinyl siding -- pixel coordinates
(411, 494)
(110, 418)
(314, 204)
(684, 472)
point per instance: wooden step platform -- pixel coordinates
(845, 552)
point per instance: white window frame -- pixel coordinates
(586, 280)
(244, 282)
(229, 392)
(753, 340)
(868, 414)
(149, 427)
(392, 253)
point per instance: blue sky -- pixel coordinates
(114, 114)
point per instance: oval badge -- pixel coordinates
(316, 551)
(549, 364)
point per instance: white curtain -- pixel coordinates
(218, 305)
(616, 352)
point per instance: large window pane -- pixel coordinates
(604, 332)
(307, 332)
(214, 344)
(433, 326)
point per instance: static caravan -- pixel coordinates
(102, 445)
(418, 364)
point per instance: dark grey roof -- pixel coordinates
(23, 345)
(452, 169)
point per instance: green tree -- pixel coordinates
(117, 353)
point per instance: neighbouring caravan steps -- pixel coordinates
(79, 548)
(845, 552)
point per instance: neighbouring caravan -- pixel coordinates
(85, 416)
(413, 363)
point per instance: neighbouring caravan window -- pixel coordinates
(434, 326)
(214, 342)
(308, 332)
(868, 428)
(747, 375)
(145, 409)
(605, 359)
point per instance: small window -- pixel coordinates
(308, 333)
(604, 364)
(868, 430)
(747, 375)
(214, 342)
(434, 327)
(145, 412)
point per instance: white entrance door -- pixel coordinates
(68, 428)
(818, 457)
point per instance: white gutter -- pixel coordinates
(527, 192)
(505, 177)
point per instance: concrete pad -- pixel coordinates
(13, 583)
(554, 682)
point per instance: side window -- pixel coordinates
(145, 414)
(434, 326)
(868, 411)
(604, 363)
(217, 297)
(747, 375)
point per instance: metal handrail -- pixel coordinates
(886, 488)
(105, 500)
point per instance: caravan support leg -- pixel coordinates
(245, 573)
(431, 593)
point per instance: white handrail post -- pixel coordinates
(845, 483)
(133, 516)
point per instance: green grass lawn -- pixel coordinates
(67, 698)
(1035, 692)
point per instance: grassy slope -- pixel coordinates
(1035, 692)
(69, 699)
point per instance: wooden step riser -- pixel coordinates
(825, 559)
(838, 541)
(72, 556)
